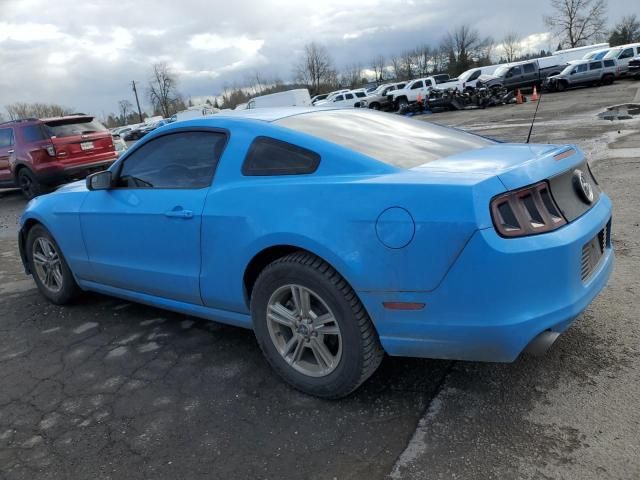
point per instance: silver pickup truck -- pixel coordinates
(582, 72)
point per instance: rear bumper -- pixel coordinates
(57, 172)
(499, 295)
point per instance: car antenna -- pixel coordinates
(534, 116)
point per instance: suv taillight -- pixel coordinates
(51, 150)
(527, 211)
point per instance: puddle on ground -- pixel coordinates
(620, 112)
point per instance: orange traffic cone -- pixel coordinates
(519, 97)
(535, 97)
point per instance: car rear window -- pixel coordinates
(268, 156)
(76, 126)
(392, 139)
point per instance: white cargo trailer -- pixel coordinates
(298, 97)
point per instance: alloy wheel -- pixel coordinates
(304, 330)
(46, 261)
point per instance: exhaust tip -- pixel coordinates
(541, 343)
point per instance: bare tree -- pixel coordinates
(315, 68)
(511, 46)
(351, 76)
(577, 21)
(396, 67)
(408, 63)
(627, 31)
(163, 89)
(125, 107)
(378, 67)
(465, 46)
(36, 110)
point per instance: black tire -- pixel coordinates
(607, 80)
(28, 184)
(561, 86)
(374, 106)
(361, 349)
(402, 104)
(69, 288)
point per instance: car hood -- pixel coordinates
(487, 78)
(516, 165)
(78, 186)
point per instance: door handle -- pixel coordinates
(179, 213)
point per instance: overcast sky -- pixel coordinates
(84, 53)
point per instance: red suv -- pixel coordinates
(40, 153)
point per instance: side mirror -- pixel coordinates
(100, 181)
(573, 72)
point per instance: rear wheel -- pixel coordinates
(49, 268)
(375, 106)
(28, 184)
(312, 328)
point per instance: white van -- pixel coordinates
(298, 97)
(622, 54)
(194, 112)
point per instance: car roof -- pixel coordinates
(269, 114)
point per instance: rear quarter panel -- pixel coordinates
(332, 213)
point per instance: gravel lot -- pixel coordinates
(109, 389)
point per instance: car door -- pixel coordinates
(581, 75)
(7, 149)
(513, 77)
(595, 71)
(349, 100)
(529, 75)
(143, 234)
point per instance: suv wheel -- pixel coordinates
(49, 268)
(402, 104)
(375, 106)
(312, 328)
(28, 184)
(562, 86)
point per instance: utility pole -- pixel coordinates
(133, 82)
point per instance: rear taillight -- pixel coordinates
(528, 211)
(51, 150)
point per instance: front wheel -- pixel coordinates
(49, 268)
(374, 106)
(402, 104)
(312, 328)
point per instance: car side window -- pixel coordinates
(529, 68)
(582, 68)
(475, 75)
(175, 160)
(349, 96)
(6, 137)
(609, 63)
(626, 53)
(516, 71)
(339, 98)
(268, 156)
(595, 65)
(361, 94)
(417, 85)
(33, 133)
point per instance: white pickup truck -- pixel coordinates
(402, 98)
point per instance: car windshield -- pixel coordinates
(613, 53)
(567, 69)
(391, 139)
(501, 71)
(72, 127)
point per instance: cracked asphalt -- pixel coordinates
(115, 390)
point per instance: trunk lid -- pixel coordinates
(79, 139)
(516, 165)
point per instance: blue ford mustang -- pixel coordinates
(336, 235)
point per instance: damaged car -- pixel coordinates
(332, 246)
